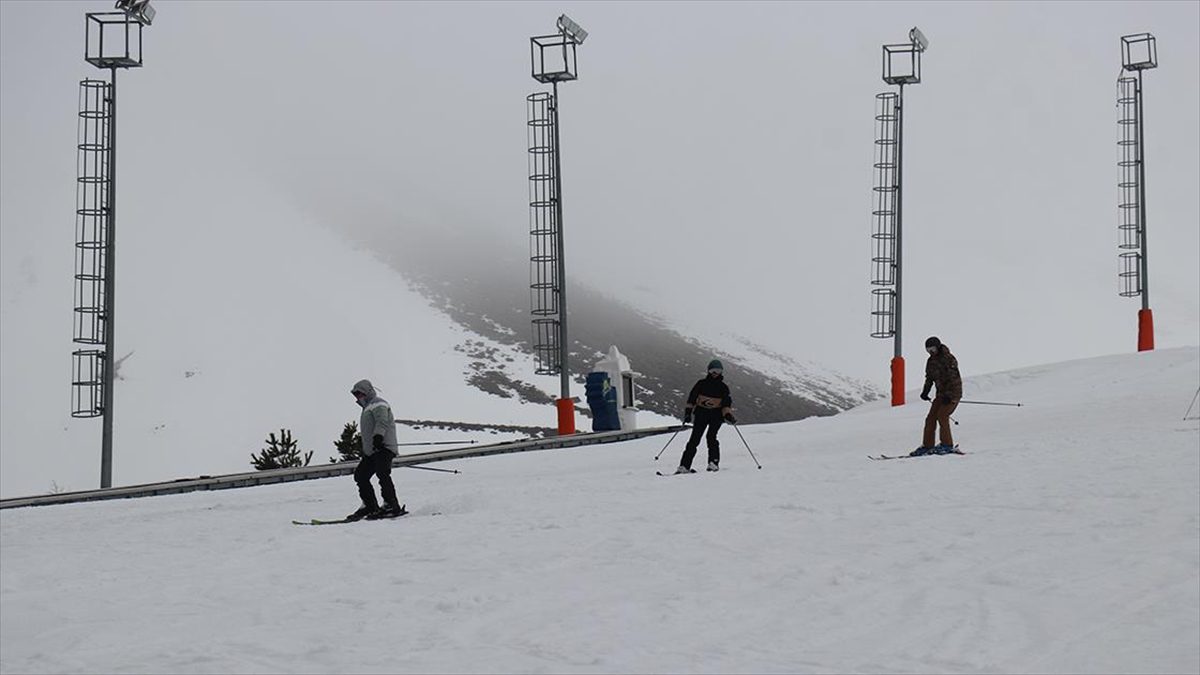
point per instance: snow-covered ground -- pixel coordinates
(1068, 540)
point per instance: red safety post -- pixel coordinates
(566, 416)
(898, 380)
(1145, 330)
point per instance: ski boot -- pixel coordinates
(921, 451)
(712, 466)
(387, 511)
(362, 512)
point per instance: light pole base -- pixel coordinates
(1145, 330)
(566, 416)
(898, 381)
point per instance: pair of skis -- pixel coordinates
(676, 473)
(955, 451)
(340, 521)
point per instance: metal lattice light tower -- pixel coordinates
(553, 61)
(901, 66)
(113, 40)
(1138, 53)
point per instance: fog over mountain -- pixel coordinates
(481, 281)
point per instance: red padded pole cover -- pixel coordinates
(566, 416)
(1145, 330)
(898, 380)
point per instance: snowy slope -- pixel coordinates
(238, 317)
(1068, 540)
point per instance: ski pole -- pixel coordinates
(1018, 405)
(430, 468)
(1189, 410)
(735, 428)
(660, 452)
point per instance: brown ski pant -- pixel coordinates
(939, 416)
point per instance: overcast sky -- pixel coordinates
(731, 141)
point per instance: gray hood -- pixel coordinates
(366, 388)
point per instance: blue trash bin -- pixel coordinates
(602, 399)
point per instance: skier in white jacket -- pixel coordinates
(378, 429)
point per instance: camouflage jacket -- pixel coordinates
(942, 370)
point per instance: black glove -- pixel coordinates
(924, 396)
(730, 418)
(687, 417)
(377, 442)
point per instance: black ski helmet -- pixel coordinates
(932, 341)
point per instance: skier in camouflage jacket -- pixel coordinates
(942, 370)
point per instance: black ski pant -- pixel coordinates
(704, 419)
(378, 463)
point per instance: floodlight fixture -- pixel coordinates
(145, 12)
(918, 38)
(902, 62)
(138, 10)
(553, 56)
(572, 29)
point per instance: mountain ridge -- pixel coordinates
(481, 287)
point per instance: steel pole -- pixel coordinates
(110, 285)
(899, 212)
(564, 369)
(897, 365)
(1142, 194)
(1145, 316)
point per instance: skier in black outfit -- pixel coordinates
(711, 404)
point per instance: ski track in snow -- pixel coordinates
(1067, 541)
